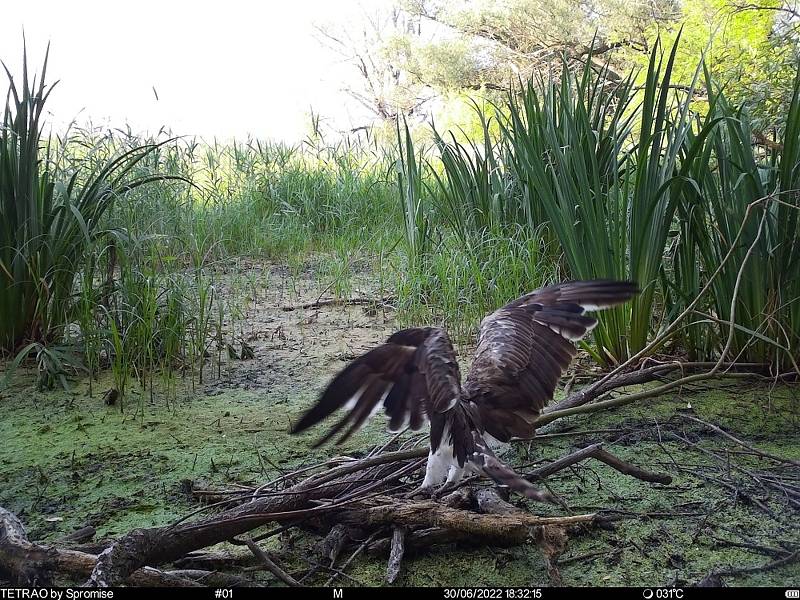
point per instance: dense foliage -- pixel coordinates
(581, 173)
(49, 219)
(425, 56)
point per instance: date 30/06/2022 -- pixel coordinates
(492, 593)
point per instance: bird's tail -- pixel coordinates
(486, 460)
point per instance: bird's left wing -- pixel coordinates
(525, 346)
(414, 374)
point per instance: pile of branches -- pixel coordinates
(355, 505)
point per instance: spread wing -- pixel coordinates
(525, 347)
(414, 375)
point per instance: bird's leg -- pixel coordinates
(436, 471)
(454, 476)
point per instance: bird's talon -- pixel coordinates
(424, 492)
(441, 491)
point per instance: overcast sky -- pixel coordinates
(219, 69)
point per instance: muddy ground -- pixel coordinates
(67, 460)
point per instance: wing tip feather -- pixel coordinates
(396, 376)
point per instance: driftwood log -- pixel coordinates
(509, 527)
(33, 565)
(25, 563)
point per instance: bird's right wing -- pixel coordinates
(525, 347)
(414, 374)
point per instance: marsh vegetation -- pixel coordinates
(169, 306)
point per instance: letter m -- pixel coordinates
(337, 593)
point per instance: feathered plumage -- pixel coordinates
(523, 349)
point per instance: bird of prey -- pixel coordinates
(523, 349)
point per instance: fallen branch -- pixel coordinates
(741, 443)
(620, 379)
(732, 571)
(548, 417)
(596, 451)
(604, 385)
(506, 529)
(486, 500)
(159, 545)
(31, 564)
(385, 301)
(396, 553)
(26, 563)
(760, 548)
(270, 564)
(630, 469)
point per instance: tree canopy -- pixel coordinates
(423, 50)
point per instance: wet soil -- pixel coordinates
(68, 460)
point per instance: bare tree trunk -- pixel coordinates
(24, 562)
(32, 565)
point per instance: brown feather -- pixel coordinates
(525, 347)
(415, 373)
(365, 405)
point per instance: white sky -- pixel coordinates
(220, 69)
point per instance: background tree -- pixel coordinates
(751, 49)
(418, 51)
(383, 86)
(523, 37)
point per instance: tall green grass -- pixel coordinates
(568, 148)
(463, 255)
(474, 193)
(252, 197)
(459, 284)
(48, 220)
(626, 180)
(607, 166)
(409, 169)
(745, 203)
